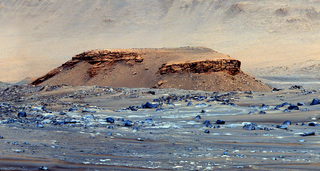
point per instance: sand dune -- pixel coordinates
(269, 37)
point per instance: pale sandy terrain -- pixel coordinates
(269, 37)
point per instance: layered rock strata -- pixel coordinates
(98, 59)
(230, 66)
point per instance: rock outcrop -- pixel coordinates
(185, 68)
(107, 57)
(230, 66)
(98, 59)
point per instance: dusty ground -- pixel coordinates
(167, 138)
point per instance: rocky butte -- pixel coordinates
(191, 68)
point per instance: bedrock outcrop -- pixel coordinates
(98, 59)
(230, 66)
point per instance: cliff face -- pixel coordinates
(106, 57)
(230, 66)
(99, 59)
(185, 68)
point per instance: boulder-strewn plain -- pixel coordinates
(102, 128)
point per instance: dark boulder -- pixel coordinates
(62, 113)
(296, 87)
(276, 89)
(150, 105)
(264, 107)
(189, 104)
(73, 109)
(315, 101)
(209, 125)
(251, 126)
(198, 117)
(287, 122)
(152, 92)
(110, 119)
(148, 120)
(262, 112)
(128, 123)
(308, 134)
(313, 124)
(206, 122)
(220, 122)
(22, 114)
(293, 107)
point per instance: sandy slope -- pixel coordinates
(269, 37)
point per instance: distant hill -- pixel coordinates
(27, 80)
(4, 85)
(185, 68)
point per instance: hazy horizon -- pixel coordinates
(269, 37)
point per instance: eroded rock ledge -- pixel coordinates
(230, 66)
(107, 57)
(98, 59)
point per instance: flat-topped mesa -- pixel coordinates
(190, 68)
(230, 66)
